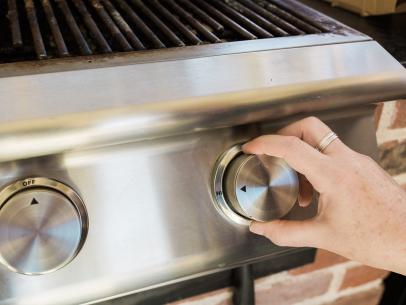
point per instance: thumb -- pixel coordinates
(291, 233)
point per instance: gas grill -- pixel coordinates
(121, 121)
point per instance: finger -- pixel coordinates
(298, 154)
(312, 131)
(290, 233)
(305, 191)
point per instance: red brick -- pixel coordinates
(369, 297)
(323, 259)
(360, 275)
(400, 116)
(292, 291)
(204, 298)
(378, 113)
(388, 145)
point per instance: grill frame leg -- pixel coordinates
(244, 289)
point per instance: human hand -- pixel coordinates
(361, 210)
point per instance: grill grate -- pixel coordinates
(43, 29)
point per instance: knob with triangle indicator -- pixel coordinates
(261, 188)
(43, 226)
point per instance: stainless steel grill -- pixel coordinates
(137, 143)
(58, 28)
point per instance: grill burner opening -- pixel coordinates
(43, 29)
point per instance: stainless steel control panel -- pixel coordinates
(43, 225)
(152, 217)
(249, 187)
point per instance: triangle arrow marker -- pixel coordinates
(244, 189)
(34, 201)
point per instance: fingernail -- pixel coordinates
(256, 228)
(245, 148)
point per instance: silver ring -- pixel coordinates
(326, 141)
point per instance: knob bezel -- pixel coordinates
(45, 183)
(219, 199)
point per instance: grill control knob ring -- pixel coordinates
(43, 226)
(250, 187)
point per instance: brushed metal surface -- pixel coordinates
(152, 219)
(40, 228)
(261, 188)
(99, 107)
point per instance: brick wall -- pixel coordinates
(331, 279)
(391, 135)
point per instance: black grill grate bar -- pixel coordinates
(56, 31)
(123, 25)
(140, 24)
(226, 20)
(216, 26)
(284, 5)
(35, 30)
(159, 23)
(285, 26)
(12, 15)
(257, 18)
(176, 22)
(194, 22)
(74, 28)
(92, 26)
(241, 19)
(111, 26)
(290, 18)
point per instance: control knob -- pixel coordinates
(43, 225)
(251, 187)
